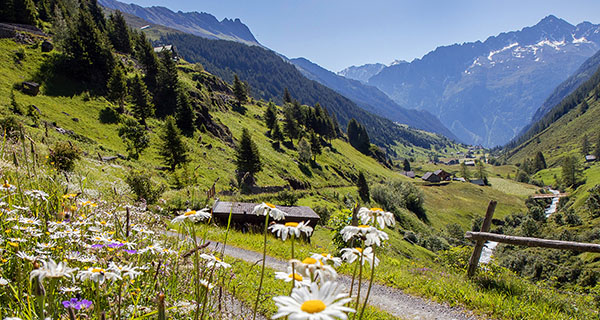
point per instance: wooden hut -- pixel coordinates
(241, 214)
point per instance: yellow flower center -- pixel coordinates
(363, 226)
(313, 306)
(102, 222)
(296, 277)
(189, 213)
(272, 206)
(309, 261)
(6, 185)
(359, 249)
(291, 224)
(325, 254)
(376, 209)
(14, 244)
(217, 258)
(97, 270)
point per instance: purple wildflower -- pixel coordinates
(115, 245)
(77, 304)
(97, 246)
(131, 251)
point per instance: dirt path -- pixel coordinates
(391, 300)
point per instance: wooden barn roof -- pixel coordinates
(239, 208)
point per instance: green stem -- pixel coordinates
(369, 289)
(262, 272)
(293, 266)
(359, 279)
(226, 232)
(353, 277)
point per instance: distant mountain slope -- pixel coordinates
(198, 23)
(585, 71)
(372, 99)
(268, 74)
(362, 73)
(485, 92)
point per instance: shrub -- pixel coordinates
(288, 198)
(324, 214)
(11, 126)
(140, 182)
(399, 194)
(63, 156)
(183, 177)
(109, 115)
(456, 258)
(572, 218)
(593, 201)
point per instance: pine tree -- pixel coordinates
(406, 165)
(185, 114)
(143, 108)
(539, 162)
(597, 149)
(585, 145)
(315, 145)
(290, 126)
(464, 171)
(357, 136)
(96, 12)
(304, 152)
(135, 137)
(173, 150)
(363, 187)
(481, 172)
(287, 98)
(239, 90)
(117, 86)
(25, 12)
(119, 33)
(276, 133)
(270, 115)
(247, 158)
(167, 93)
(571, 171)
(150, 63)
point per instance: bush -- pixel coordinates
(288, 198)
(399, 194)
(63, 156)
(140, 182)
(109, 115)
(11, 126)
(183, 177)
(324, 214)
(456, 258)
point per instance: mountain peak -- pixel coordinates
(553, 22)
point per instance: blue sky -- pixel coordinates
(339, 33)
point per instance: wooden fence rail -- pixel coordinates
(534, 242)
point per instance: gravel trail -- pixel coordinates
(391, 300)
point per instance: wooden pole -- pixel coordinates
(485, 227)
(534, 242)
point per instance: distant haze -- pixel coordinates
(337, 34)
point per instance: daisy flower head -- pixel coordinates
(193, 216)
(3, 282)
(69, 289)
(125, 271)
(26, 256)
(291, 229)
(351, 254)
(7, 187)
(53, 270)
(99, 275)
(376, 215)
(364, 232)
(375, 237)
(266, 208)
(325, 302)
(314, 269)
(327, 258)
(206, 284)
(212, 261)
(299, 280)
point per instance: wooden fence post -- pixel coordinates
(485, 227)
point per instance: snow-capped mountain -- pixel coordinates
(362, 73)
(485, 92)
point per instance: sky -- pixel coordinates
(340, 33)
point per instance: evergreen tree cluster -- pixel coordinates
(358, 137)
(530, 166)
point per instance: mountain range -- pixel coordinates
(198, 23)
(486, 92)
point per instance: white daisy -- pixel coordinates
(156, 247)
(351, 254)
(327, 258)
(69, 289)
(30, 221)
(143, 230)
(25, 256)
(377, 215)
(314, 269)
(126, 271)
(206, 284)
(37, 194)
(193, 216)
(364, 232)
(51, 269)
(299, 280)
(314, 303)
(3, 281)
(266, 208)
(213, 261)
(291, 228)
(98, 275)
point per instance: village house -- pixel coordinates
(170, 48)
(430, 177)
(470, 163)
(410, 174)
(443, 175)
(241, 214)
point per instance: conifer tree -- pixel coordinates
(304, 152)
(135, 137)
(167, 93)
(239, 90)
(150, 63)
(358, 137)
(406, 165)
(96, 12)
(290, 126)
(143, 108)
(585, 145)
(315, 145)
(185, 114)
(276, 133)
(287, 98)
(173, 150)
(118, 32)
(117, 86)
(571, 171)
(247, 158)
(363, 187)
(540, 161)
(481, 172)
(597, 149)
(270, 116)
(464, 171)
(25, 12)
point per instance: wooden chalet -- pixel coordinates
(410, 174)
(590, 158)
(241, 214)
(170, 48)
(470, 163)
(444, 176)
(478, 182)
(431, 177)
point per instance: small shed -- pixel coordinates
(170, 48)
(470, 163)
(590, 158)
(478, 182)
(430, 177)
(444, 176)
(410, 174)
(241, 213)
